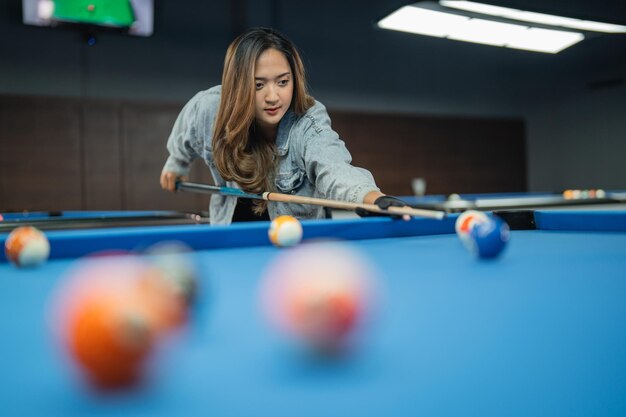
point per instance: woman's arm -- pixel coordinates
(188, 135)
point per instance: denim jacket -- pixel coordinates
(312, 160)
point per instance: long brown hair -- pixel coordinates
(239, 156)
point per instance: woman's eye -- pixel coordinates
(283, 82)
(259, 86)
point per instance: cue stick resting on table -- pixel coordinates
(286, 198)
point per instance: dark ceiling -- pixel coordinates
(346, 55)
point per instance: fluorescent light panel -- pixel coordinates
(428, 22)
(532, 17)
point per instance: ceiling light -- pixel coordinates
(422, 21)
(532, 17)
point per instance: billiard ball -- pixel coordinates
(167, 303)
(109, 312)
(27, 246)
(465, 222)
(489, 238)
(467, 219)
(105, 321)
(285, 231)
(318, 294)
(110, 335)
(175, 262)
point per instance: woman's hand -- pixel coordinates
(384, 202)
(169, 179)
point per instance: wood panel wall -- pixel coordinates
(453, 155)
(73, 154)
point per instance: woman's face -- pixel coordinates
(274, 89)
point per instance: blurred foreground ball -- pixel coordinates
(109, 313)
(318, 293)
(27, 246)
(174, 260)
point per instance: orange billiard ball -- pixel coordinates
(110, 335)
(110, 312)
(27, 246)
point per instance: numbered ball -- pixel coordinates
(174, 260)
(109, 312)
(110, 335)
(465, 222)
(467, 219)
(490, 238)
(318, 293)
(105, 320)
(285, 231)
(27, 246)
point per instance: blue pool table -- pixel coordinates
(539, 331)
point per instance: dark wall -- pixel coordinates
(453, 155)
(72, 154)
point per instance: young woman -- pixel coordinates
(261, 131)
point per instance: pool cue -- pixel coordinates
(294, 199)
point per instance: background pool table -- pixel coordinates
(539, 331)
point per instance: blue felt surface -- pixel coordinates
(540, 331)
